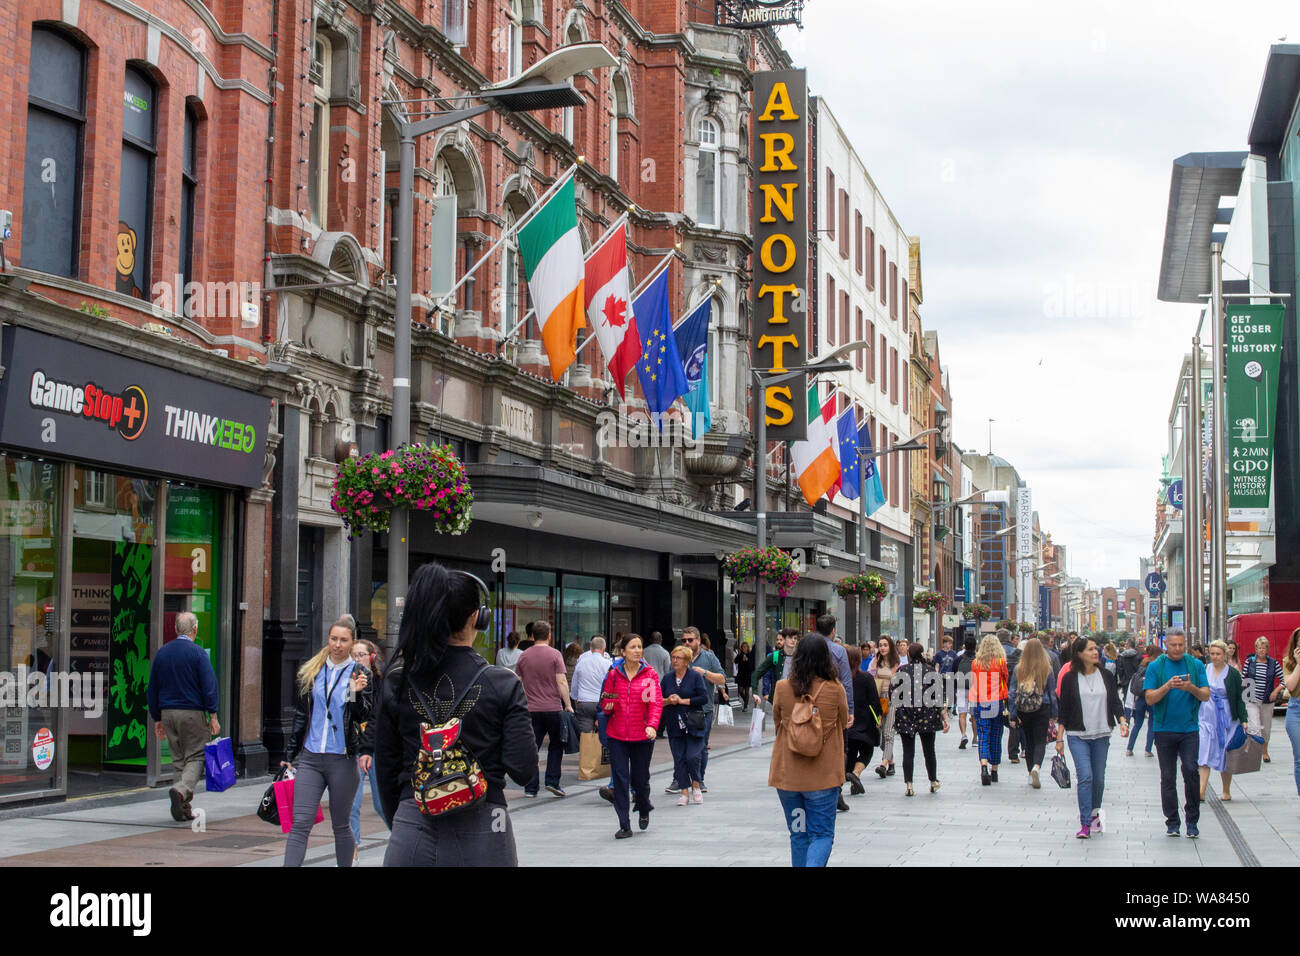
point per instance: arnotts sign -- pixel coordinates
(752, 14)
(72, 401)
(780, 227)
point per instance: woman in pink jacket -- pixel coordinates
(634, 702)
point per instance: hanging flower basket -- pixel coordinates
(427, 478)
(979, 612)
(869, 585)
(1025, 627)
(928, 600)
(1005, 625)
(771, 564)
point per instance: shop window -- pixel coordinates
(706, 176)
(530, 596)
(56, 122)
(192, 569)
(29, 561)
(189, 187)
(583, 605)
(135, 205)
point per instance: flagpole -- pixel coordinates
(599, 242)
(519, 223)
(653, 274)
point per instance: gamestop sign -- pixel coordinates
(779, 288)
(74, 401)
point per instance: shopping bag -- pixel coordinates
(284, 803)
(725, 717)
(569, 732)
(592, 764)
(219, 765)
(756, 726)
(1060, 772)
(1244, 759)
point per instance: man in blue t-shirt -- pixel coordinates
(1175, 686)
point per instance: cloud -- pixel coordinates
(1029, 147)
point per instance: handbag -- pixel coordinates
(269, 809)
(219, 765)
(1060, 772)
(569, 732)
(696, 722)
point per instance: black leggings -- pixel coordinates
(1034, 726)
(856, 752)
(909, 755)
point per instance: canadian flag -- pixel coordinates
(609, 305)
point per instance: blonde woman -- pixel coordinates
(1291, 681)
(684, 721)
(1219, 717)
(333, 702)
(987, 695)
(1263, 685)
(1032, 703)
(882, 668)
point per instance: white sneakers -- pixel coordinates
(1098, 824)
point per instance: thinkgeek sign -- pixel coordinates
(751, 14)
(73, 401)
(780, 227)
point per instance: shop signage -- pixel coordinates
(517, 418)
(779, 288)
(71, 400)
(1175, 493)
(752, 14)
(1254, 342)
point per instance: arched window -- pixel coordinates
(56, 119)
(707, 193)
(135, 206)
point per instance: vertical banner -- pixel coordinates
(1254, 354)
(779, 289)
(1025, 598)
(128, 681)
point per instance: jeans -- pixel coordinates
(629, 765)
(810, 817)
(548, 724)
(356, 804)
(1293, 731)
(1090, 772)
(480, 835)
(1140, 712)
(909, 755)
(687, 751)
(316, 772)
(1172, 749)
(1033, 725)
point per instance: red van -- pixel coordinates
(1277, 626)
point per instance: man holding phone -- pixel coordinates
(1175, 687)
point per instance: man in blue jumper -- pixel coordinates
(183, 706)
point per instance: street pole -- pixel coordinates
(1219, 562)
(1193, 497)
(1189, 534)
(862, 546)
(399, 522)
(929, 575)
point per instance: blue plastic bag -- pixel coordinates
(219, 765)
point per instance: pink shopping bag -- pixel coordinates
(284, 801)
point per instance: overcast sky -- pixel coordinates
(1030, 145)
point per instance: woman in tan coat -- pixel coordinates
(808, 755)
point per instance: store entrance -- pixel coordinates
(112, 610)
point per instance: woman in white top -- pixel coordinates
(1089, 709)
(509, 655)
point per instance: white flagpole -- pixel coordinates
(521, 221)
(599, 242)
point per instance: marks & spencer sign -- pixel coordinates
(74, 401)
(780, 227)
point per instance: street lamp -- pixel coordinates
(544, 85)
(762, 379)
(935, 507)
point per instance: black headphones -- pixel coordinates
(484, 612)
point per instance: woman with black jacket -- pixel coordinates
(921, 712)
(864, 736)
(684, 722)
(334, 699)
(1089, 709)
(437, 675)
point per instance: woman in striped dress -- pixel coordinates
(987, 695)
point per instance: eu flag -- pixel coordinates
(874, 491)
(663, 379)
(847, 427)
(693, 345)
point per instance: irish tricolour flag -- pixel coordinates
(815, 462)
(609, 306)
(552, 254)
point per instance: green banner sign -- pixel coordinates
(1254, 353)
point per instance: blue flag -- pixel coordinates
(875, 491)
(660, 368)
(847, 426)
(693, 345)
